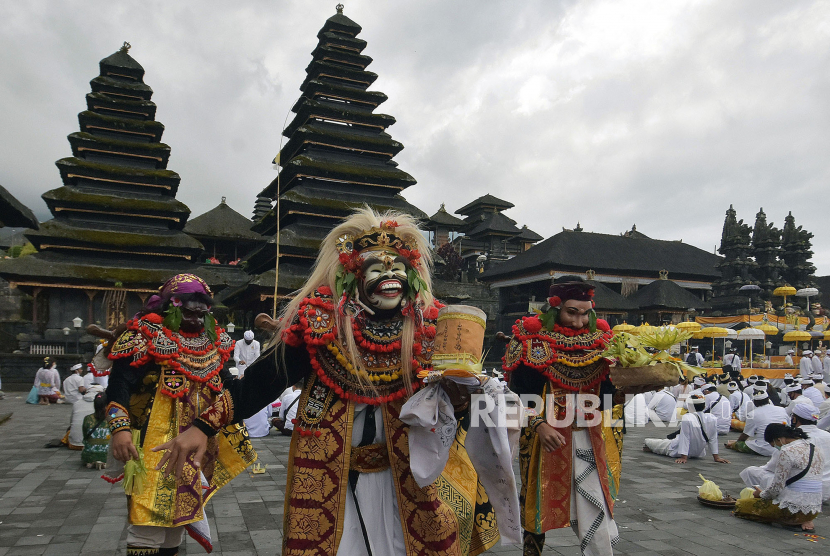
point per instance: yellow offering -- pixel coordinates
(709, 490)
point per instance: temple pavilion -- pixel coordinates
(116, 231)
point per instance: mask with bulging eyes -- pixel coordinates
(383, 282)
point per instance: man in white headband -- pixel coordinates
(809, 389)
(796, 396)
(697, 384)
(818, 366)
(751, 441)
(245, 352)
(698, 430)
(805, 365)
(719, 406)
(740, 402)
(789, 358)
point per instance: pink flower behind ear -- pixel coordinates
(176, 302)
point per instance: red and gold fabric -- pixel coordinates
(449, 517)
(572, 363)
(180, 383)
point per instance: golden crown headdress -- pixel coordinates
(382, 238)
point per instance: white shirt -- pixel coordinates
(71, 387)
(287, 398)
(805, 494)
(664, 405)
(826, 363)
(732, 359)
(818, 367)
(789, 360)
(805, 366)
(720, 407)
(690, 441)
(814, 394)
(822, 441)
(756, 424)
(739, 398)
(244, 354)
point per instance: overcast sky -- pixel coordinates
(609, 113)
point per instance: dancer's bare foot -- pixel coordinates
(808, 526)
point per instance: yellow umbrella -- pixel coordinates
(688, 326)
(784, 291)
(714, 332)
(624, 327)
(768, 329)
(796, 336)
(645, 327)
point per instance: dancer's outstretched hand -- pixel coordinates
(191, 441)
(550, 438)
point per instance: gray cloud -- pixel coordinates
(611, 113)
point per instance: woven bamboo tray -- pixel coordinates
(656, 375)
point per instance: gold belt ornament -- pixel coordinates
(369, 459)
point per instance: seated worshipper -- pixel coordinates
(789, 358)
(259, 424)
(793, 497)
(795, 396)
(825, 362)
(805, 417)
(805, 365)
(750, 381)
(636, 411)
(697, 431)
(824, 410)
(73, 391)
(740, 401)
(245, 352)
(772, 391)
(48, 383)
(698, 383)
(809, 390)
(663, 406)
(288, 408)
(763, 413)
(96, 434)
(719, 406)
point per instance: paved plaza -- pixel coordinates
(51, 505)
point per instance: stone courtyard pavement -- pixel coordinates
(51, 505)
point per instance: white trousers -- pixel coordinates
(147, 536)
(660, 446)
(590, 518)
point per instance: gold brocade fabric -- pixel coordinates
(547, 477)
(449, 517)
(765, 511)
(613, 437)
(165, 503)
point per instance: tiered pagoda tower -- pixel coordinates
(736, 267)
(337, 157)
(117, 233)
(262, 206)
(766, 242)
(796, 252)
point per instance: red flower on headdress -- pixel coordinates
(554, 301)
(344, 258)
(176, 302)
(405, 253)
(532, 324)
(591, 292)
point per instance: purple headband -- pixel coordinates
(179, 284)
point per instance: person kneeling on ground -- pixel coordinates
(793, 498)
(762, 413)
(697, 431)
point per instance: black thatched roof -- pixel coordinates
(493, 222)
(485, 201)
(221, 222)
(604, 253)
(13, 213)
(665, 294)
(609, 300)
(529, 235)
(443, 218)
